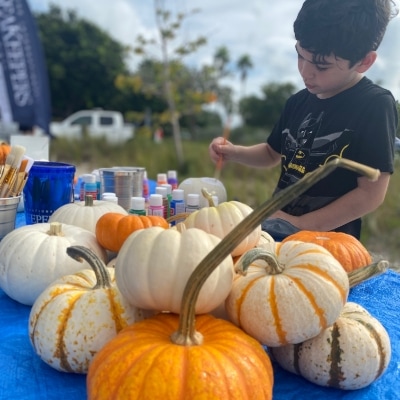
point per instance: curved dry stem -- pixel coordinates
(273, 267)
(208, 196)
(369, 271)
(80, 253)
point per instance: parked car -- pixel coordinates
(97, 122)
(397, 144)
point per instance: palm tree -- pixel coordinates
(243, 64)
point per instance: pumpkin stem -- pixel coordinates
(55, 229)
(210, 262)
(177, 217)
(369, 271)
(273, 267)
(80, 253)
(88, 201)
(208, 196)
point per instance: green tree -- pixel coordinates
(170, 56)
(265, 111)
(82, 60)
(243, 64)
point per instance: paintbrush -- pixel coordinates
(10, 171)
(218, 167)
(22, 175)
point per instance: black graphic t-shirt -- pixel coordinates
(359, 124)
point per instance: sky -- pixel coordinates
(261, 29)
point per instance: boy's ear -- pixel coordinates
(366, 62)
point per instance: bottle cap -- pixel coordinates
(137, 203)
(162, 178)
(193, 199)
(90, 178)
(171, 174)
(168, 187)
(178, 194)
(162, 191)
(155, 200)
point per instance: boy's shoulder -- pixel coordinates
(365, 88)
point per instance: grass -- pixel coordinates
(381, 229)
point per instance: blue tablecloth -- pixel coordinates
(23, 376)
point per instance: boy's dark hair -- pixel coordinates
(349, 29)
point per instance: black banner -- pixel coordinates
(24, 86)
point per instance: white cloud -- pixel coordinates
(262, 29)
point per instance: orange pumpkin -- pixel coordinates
(112, 229)
(349, 251)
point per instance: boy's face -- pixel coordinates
(328, 78)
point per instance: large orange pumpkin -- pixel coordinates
(349, 251)
(112, 229)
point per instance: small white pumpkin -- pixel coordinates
(350, 354)
(76, 315)
(212, 185)
(85, 214)
(154, 265)
(33, 256)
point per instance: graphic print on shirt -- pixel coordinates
(309, 148)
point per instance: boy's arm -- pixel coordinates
(355, 204)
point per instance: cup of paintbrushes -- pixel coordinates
(49, 186)
(8, 213)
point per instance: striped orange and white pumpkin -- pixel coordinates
(351, 354)
(287, 295)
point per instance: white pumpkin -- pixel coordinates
(33, 256)
(154, 265)
(85, 214)
(195, 186)
(350, 354)
(76, 315)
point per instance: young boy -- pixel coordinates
(340, 113)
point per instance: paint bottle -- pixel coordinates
(91, 186)
(177, 204)
(162, 190)
(83, 179)
(138, 206)
(172, 178)
(192, 202)
(146, 188)
(169, 197)
(156, 205)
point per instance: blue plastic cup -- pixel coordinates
(50, 185)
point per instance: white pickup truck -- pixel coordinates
(99, 123)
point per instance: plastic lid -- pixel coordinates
(193, 199)
(90, 178)
(137, 203)
(162, 178)
(178, 194)
(172, 174)
(162, 190)
(155, 200)
(168, 187)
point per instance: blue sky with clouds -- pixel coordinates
(260, 28)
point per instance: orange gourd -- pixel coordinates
(349, 251)
(112, 229)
